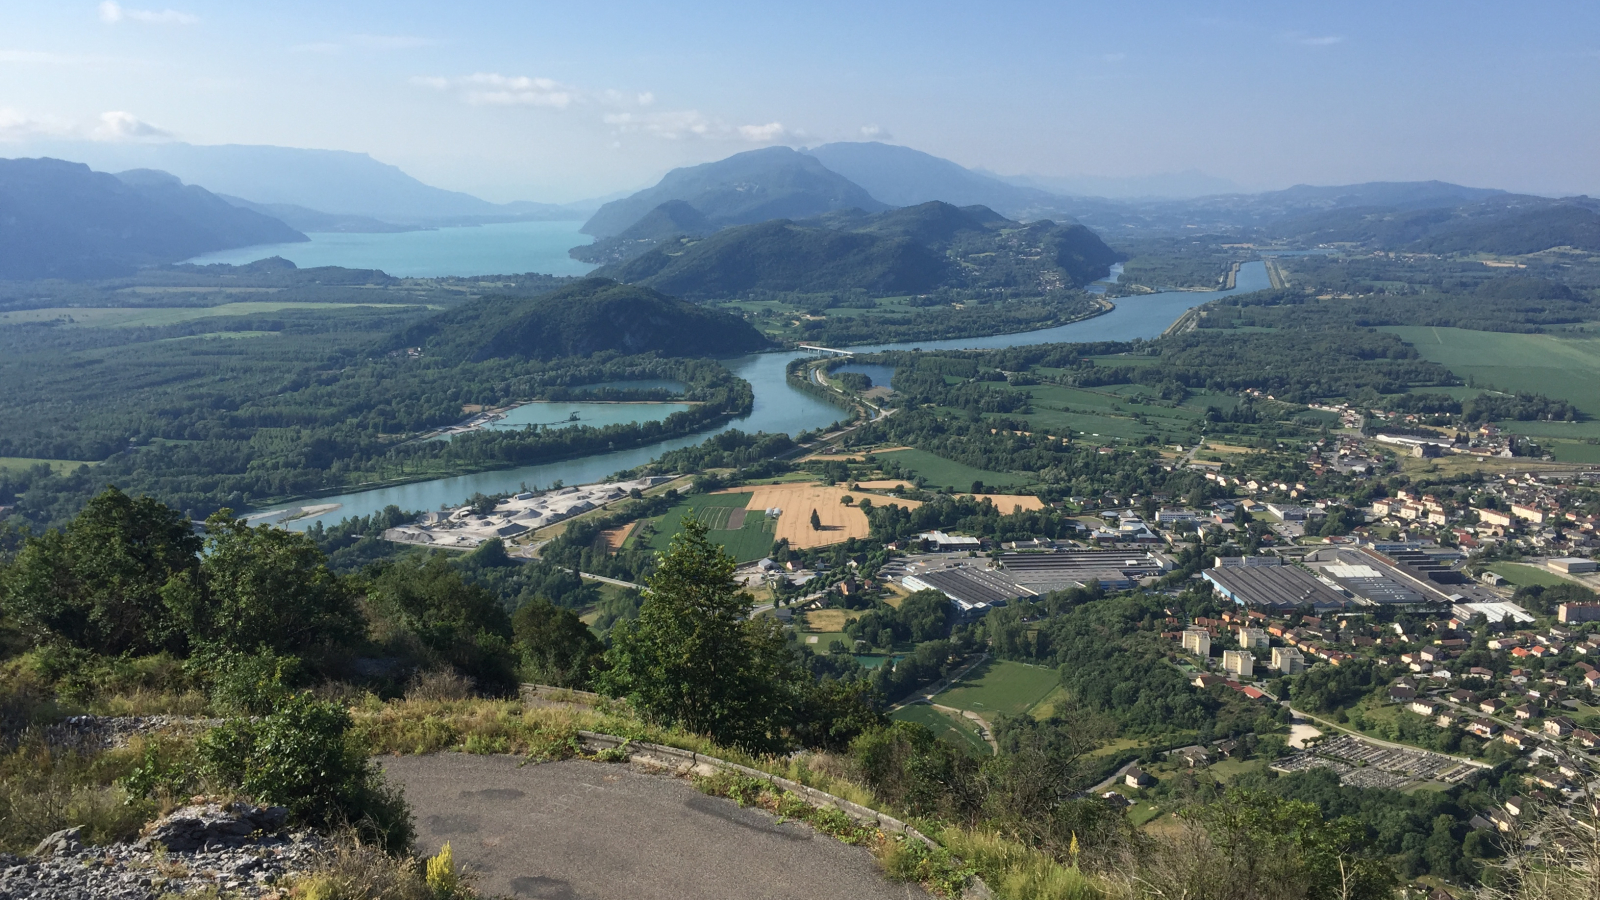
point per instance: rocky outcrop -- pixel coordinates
(236, 849)
(213, 825)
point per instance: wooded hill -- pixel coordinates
(589, 316)
(772, 183)
(913, 250)
(63, 220)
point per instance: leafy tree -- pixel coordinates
(695, 659)
(263, 587)
(424, 608)
(556, 647)
(816, 521)
(926, 616)
(97, 584)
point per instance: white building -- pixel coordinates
(1288, 660)
(1197, 642)
(1239, 663)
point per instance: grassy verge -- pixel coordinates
(1010, 868)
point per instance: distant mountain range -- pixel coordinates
(901, 176)
(831, 187)
(911, 250)
(62, 220)
(334, 182)
(589, 316)
(771, 183)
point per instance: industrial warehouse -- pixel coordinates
(1274, 587)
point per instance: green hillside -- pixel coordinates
(914, 250)
(592, 315)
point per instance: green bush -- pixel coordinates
(301, 757)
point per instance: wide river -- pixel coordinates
(778, 407)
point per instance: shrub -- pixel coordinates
(300, 757)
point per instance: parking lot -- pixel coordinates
(1365, 764)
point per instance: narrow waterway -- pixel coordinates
(777, 408)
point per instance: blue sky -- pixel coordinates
(531, 100)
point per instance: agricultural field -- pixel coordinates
(840, 522)
(952, 729)
(18, 464)
(1128, 412)
(1000, 687)
(941, 472)
(1566, 368)
(747, 537)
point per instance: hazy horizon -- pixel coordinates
(559, 105)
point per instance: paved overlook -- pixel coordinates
(577, 830)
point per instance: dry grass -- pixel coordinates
(828, 620)
(356, 871)
(892, 485)
(839, 522)
(1008, 503)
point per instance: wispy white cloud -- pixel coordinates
(494, 89)
(17, 126)
(1113, 57)
(120, 126)
(1312, 40)
(692, 124)
(874, 133)
(112, 12)
(624, 112)
(316, 47)
(763, 134)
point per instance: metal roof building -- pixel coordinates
(1274, 587)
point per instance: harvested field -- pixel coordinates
(895, 485)
(825, 620)
(839, 522)
(1008, 502)
(614, 538)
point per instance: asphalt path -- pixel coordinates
(577, 830)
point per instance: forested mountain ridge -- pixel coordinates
(772, 183)
(911, 250)
(590, 316)
(672, 219)
(63, 220)
(901, 176)
(1505, 224)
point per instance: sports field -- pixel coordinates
(828, 620)
(952, 729)
(1001, 687)
(1527, 576)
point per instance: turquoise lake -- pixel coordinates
(512, 248)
